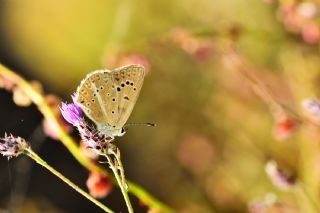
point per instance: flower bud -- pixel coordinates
(11, 146)
(72, 113)
(99, 185)
(285, 126)
(280, 178)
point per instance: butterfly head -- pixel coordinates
(111, 130)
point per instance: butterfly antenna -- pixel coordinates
(140, 124)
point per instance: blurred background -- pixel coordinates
(225, 82)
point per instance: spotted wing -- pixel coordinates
(90, 95)
(108, 97)
(128, 81)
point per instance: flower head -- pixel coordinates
(72, 113)
(94, 139)
(21, 98)
(285, 126)
(11, 146)
(312, 107)
(311, 33)
(280, 178)
(99, 185)
(50, 127)
(118, 58)
(6, 84)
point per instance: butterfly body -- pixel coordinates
(108, 97)
(110, 130)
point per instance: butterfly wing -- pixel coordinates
(128, 81)
(90, 95)
(108, 97)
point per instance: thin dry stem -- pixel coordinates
(120, 180)
(40, 161)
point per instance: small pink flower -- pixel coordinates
(118, 59)
(21, 98)
(49, 126)
(284, 127)
(307, 9)
(311, 33)
(312, 107)
(288, 15)
(99, 185)
(279, 178)
(51, 130)
(136, 59)
(198, 47)
(203, 52)
(6, 84)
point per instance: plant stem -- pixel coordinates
(121, 168)
(40, 161)
(120, 181)
(70, 144)
(304, 194)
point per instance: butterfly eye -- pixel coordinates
(123, 130)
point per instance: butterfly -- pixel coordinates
(108, 97)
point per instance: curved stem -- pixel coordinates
(120, 181)
(40, 161)
(70, 144)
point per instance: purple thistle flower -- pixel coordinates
(11, 146)
(72, 113)
(94, 139)
(312, 106)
